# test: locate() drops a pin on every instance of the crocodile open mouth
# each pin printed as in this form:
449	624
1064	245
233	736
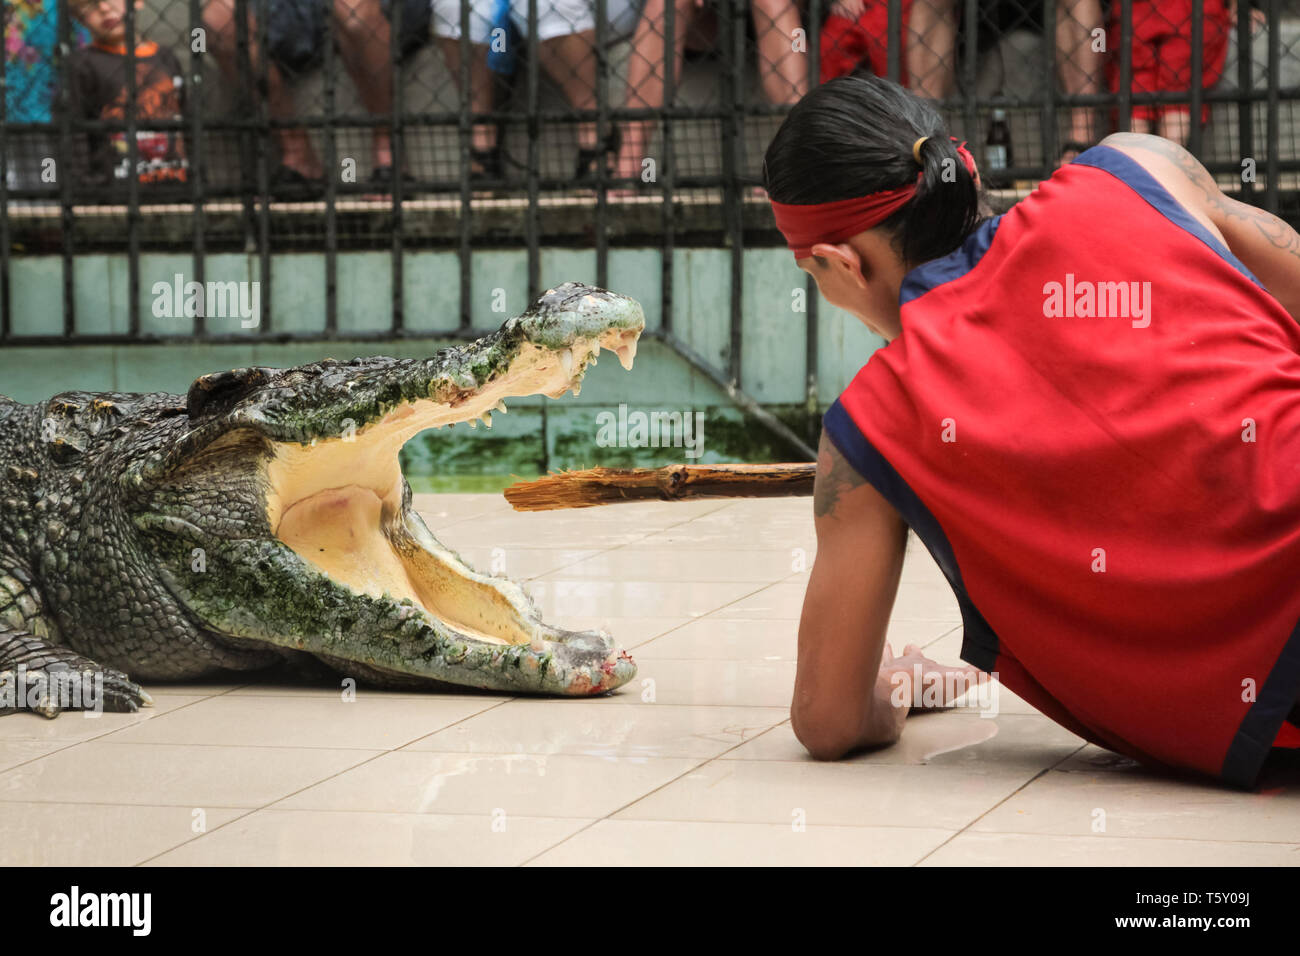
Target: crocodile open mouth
341	505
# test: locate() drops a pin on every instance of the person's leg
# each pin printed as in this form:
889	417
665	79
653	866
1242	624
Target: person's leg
1174	74
363	37
784	73
570	61
645	76
931	51
1079	65
1176	124
483	136
296	150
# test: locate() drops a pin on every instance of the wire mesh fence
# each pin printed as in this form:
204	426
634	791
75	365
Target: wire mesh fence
262	126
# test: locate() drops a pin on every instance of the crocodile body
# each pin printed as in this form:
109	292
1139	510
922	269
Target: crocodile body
263	517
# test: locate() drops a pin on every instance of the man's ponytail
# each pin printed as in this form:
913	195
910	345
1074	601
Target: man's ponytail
945	208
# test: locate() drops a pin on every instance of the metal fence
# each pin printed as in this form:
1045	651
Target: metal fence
535	123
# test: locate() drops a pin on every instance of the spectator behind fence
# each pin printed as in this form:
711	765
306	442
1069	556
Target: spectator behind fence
31	31
98	90
1162	59
295	37
855	36
782	71
566	51
1079	66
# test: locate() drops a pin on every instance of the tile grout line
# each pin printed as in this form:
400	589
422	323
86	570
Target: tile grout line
702	762
1038	776
650	793
267	806
97	738
617	547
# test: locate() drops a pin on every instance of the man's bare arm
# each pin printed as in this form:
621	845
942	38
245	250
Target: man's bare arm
851	591
1264	243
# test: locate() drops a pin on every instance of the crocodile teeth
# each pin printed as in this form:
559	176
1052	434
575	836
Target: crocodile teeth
487	420
473	423
501	405
626	354
566	360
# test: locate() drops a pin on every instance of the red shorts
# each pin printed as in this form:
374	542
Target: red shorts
1162	51
848	44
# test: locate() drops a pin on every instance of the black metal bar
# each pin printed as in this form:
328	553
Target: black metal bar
602	132
969	66
333	173
445	118
532	223
132	177
1125	65
396	133
264	176
666	170
734	196
195	154
64	172
1274	59
465	128
894	29
812	296
567	115
245	98
1048	129
230	338
1194	136
1245	108
4	193
814	43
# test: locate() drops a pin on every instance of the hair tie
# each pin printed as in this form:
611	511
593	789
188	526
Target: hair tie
916	150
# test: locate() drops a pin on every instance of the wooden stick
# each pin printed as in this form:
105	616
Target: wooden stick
603	486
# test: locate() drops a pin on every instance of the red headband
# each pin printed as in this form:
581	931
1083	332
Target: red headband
805	225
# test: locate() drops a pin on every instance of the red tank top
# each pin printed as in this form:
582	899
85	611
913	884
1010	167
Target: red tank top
1092	420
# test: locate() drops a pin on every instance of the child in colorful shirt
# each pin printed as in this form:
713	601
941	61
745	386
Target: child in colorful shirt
98	90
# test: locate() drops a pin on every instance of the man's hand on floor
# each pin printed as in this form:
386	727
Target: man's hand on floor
914	681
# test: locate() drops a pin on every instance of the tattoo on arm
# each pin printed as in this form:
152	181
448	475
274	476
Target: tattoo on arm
1276	232
835	476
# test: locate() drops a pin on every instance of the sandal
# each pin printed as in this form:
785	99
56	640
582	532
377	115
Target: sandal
589	157
381	180
289	185
490	165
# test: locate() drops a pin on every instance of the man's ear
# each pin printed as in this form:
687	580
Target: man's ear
844	259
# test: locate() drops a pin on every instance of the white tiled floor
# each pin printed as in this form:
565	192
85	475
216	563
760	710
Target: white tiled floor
693	762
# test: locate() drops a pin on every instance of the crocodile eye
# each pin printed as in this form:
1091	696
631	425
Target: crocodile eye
220	390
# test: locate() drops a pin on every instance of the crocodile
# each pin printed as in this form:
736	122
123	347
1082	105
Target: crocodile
263	518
